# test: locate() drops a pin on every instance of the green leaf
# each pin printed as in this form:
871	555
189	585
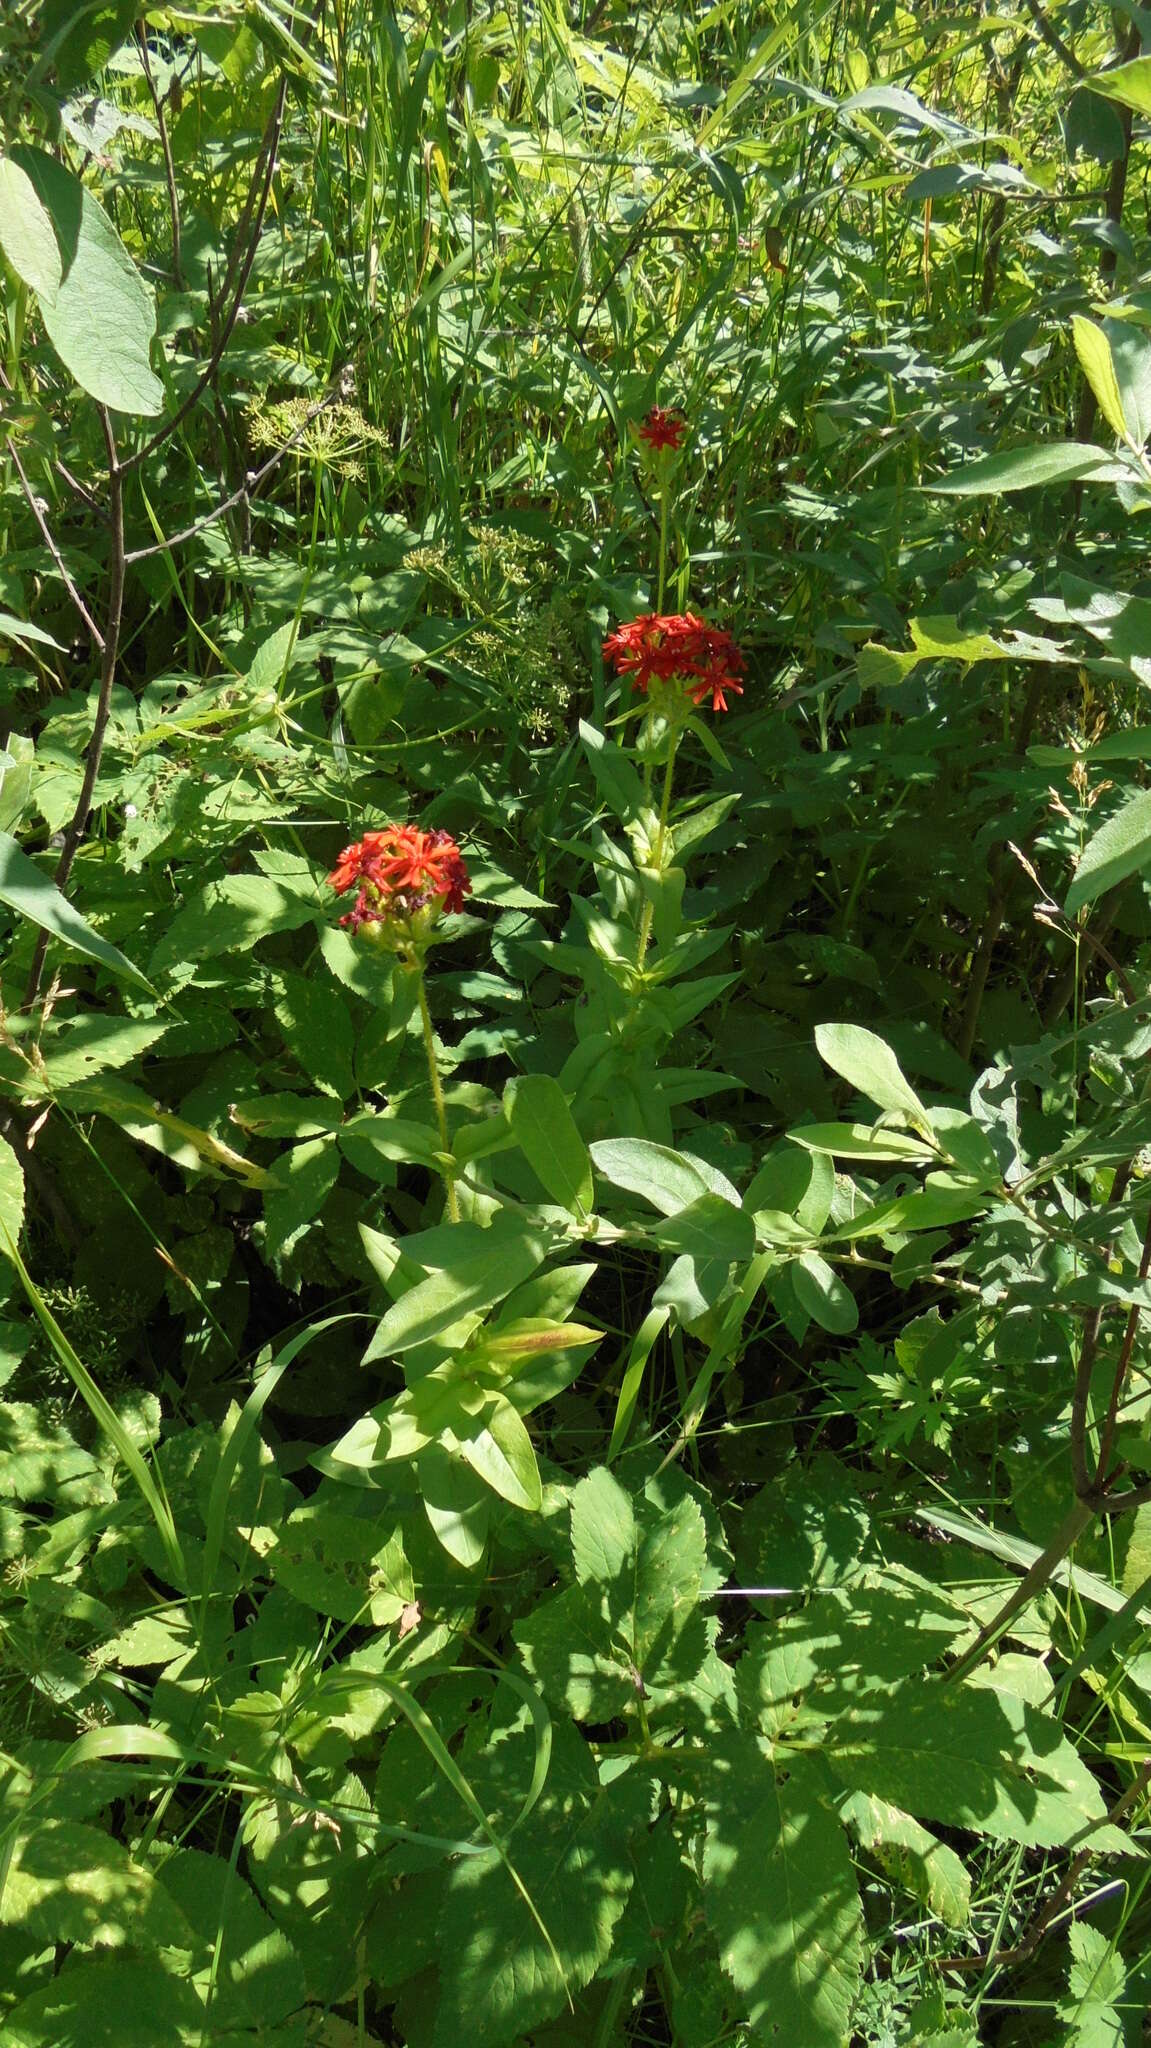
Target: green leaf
11	1197
780	1895
24	888
79	36
544	1127
21	631
632	1625
862	1059
1120	847
112	2002
911	1855
861	1141
317	1027
823	1295
1130	84
1094	352
77	1884
1097	1983
235	1945
971	1757
458	1507
237	911
499	1979
305	1177
1025	469
482	1275
27	236
615	777
709	1228
603	1528
669	1180
499	1450
374	1143
16	772
101	319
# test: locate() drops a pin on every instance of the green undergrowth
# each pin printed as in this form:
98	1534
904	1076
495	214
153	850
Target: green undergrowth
574	1224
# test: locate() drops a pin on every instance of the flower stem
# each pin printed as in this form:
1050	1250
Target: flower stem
437	1095
664	514
645	922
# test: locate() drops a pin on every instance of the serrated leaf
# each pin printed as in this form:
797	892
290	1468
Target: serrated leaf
305	1176
237	910
73	1883
1097	1982
780	1895
101	318
969	1757
603	1529
499	1978
911	1855
113	2002
25	888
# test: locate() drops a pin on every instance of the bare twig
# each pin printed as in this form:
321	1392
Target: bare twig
46	535
169	166
256	204
74	831
1054	40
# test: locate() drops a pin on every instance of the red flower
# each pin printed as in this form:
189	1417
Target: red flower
399	870
663	428
658	646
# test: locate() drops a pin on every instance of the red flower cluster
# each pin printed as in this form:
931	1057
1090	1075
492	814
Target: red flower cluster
398	871
658	646
663	428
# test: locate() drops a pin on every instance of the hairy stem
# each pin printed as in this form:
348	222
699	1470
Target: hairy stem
453	1201
645	922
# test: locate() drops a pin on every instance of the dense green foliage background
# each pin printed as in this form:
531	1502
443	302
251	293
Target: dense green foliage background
674	1564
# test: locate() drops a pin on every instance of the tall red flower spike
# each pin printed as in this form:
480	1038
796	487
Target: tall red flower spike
663	428
658	645
398	871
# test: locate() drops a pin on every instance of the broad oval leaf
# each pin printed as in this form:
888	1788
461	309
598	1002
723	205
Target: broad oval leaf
26	233
101	319
1094	352
708	1228
1130	84
823	1295
11	1197
1119	848
863	1059
668	1179
1024	469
